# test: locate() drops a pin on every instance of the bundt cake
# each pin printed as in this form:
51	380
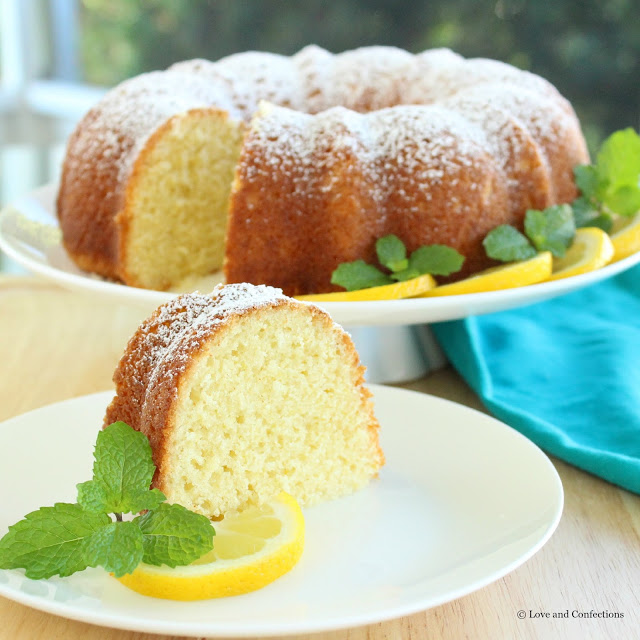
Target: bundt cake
245	393
432	147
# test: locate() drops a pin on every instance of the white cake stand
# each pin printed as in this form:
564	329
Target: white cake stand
392	337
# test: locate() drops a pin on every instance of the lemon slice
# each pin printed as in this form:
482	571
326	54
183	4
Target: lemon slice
407	289
251	549
507	276
591	249
625	236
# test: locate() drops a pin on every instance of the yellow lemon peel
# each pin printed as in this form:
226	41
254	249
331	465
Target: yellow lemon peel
625	236
507	276
251	549
406	289
591	249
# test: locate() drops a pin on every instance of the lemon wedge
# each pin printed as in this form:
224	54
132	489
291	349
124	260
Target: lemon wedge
625	236
591	249
251	549
507	276
407	289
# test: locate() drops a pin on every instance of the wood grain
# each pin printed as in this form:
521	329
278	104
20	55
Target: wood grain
55	344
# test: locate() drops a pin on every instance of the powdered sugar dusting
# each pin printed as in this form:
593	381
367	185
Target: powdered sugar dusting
181	325
248	77
238	298
118	127
423	143
365	79
368	78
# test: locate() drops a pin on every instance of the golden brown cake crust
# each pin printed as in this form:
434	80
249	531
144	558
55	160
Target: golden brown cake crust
91	187
309	195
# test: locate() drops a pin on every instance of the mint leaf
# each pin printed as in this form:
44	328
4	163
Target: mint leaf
552	229
618	169
507	244
359	275
392	253
618	161
146	499
586	215
116	547
122	472
586	177
51	541
436	259
174	535
624	200
92	497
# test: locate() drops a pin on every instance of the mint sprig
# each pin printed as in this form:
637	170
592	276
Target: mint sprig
67	538
611	186
392	254
550	230
618	172
507	244
359	275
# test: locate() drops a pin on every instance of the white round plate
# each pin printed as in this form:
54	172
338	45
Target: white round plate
462	501
30	235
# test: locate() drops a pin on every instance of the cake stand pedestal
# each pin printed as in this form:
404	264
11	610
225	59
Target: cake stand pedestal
397	353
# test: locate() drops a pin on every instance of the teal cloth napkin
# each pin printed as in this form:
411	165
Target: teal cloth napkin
565	373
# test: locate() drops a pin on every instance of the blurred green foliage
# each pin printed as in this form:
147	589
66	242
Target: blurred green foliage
590	49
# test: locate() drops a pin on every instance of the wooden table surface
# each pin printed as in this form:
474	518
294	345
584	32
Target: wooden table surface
56	344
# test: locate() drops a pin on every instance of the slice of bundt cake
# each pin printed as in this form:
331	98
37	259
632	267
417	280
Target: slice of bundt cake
151	169
245	393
